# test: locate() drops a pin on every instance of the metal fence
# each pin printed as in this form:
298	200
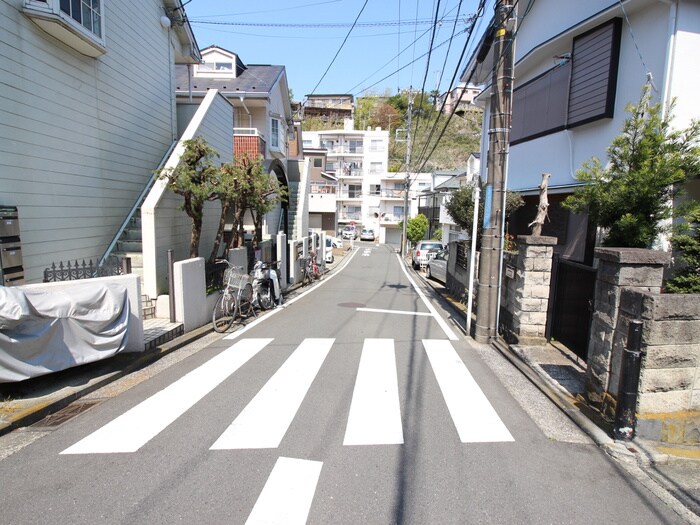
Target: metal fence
76	271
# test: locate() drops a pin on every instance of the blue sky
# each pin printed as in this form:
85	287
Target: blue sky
385	29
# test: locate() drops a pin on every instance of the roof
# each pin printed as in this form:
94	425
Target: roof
254	79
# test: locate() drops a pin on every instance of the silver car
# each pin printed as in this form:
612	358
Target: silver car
437	267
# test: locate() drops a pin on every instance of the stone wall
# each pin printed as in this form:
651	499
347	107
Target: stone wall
669	390
525	290
618	269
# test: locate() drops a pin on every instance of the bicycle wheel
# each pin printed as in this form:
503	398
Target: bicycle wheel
245	301
224	312
321	273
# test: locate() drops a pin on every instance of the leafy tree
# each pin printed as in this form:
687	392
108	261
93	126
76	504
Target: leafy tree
194	178
632	195
416	228
687	241
461	207
266	193
438	234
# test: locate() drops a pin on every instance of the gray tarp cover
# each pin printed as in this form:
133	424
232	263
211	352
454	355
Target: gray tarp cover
46	331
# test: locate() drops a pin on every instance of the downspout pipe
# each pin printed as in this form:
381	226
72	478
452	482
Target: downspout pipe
250	117
670	54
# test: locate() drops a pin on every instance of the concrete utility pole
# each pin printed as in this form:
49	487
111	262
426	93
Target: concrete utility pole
491	256
407	180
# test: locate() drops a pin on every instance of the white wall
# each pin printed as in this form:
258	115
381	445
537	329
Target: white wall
80	136
163	225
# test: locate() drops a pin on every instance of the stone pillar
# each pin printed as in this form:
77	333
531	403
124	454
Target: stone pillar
618	269
525	290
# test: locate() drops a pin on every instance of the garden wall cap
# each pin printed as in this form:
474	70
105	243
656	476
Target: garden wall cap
541	240
633	255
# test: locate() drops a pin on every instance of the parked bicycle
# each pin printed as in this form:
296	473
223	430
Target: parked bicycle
310	271
266	286
236	298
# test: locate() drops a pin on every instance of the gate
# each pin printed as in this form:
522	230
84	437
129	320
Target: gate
569	320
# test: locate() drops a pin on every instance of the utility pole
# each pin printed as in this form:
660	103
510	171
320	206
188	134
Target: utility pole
491	256
407	180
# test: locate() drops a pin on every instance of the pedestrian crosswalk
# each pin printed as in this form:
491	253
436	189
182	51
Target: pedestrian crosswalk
375	412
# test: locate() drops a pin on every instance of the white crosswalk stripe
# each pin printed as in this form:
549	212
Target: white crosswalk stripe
375	413
375	416
475	418
264	422
133	429
288	493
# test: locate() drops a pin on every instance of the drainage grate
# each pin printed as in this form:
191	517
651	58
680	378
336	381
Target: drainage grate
65	414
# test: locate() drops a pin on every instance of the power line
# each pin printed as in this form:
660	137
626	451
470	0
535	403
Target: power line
340	48
319	25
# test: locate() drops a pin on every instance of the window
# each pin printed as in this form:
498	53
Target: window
274	133
355	191
307	143
77	23
86	12
574	93
375	167
376	145
318	162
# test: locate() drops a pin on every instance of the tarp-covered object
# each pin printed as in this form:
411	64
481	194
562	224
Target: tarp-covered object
46	331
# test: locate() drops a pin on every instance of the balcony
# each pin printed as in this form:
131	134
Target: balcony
390	218
349	217
392	194
349	173
321	187
349	194
248	141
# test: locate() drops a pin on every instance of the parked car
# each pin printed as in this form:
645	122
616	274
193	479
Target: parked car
367	234
336	242
437	266
349	232
423	251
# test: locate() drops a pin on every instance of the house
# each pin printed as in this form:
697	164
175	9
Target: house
459	100
89	114
329	107
574	75
259	95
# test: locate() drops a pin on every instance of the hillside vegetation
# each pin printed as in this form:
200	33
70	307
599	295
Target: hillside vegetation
431	149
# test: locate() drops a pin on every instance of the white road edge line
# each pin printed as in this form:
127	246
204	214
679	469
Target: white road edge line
259	320
288	493
399	312
443	324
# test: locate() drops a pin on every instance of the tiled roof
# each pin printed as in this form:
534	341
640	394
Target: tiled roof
255	78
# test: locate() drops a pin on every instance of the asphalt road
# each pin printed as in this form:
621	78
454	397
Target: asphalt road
359	402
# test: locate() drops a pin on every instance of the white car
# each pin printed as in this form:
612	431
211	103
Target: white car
336	242
349	232
329	250
423	251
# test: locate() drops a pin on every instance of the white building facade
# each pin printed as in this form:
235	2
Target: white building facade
577	66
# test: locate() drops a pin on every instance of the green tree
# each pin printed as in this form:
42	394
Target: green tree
416	228
461	207
631	196
686	241
266	193
194	178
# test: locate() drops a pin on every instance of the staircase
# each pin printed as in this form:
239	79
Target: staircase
292	210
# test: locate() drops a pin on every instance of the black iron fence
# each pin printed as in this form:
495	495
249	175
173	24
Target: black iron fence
76	271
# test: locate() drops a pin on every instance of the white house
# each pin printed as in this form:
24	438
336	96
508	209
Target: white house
89	113
577	66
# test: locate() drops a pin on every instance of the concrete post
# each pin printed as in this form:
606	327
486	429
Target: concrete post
283	257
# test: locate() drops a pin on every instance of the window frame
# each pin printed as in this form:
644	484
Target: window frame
50	16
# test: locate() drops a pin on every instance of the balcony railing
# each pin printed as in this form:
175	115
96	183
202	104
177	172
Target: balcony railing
349	173
350	194
323	188
392	194
354	216
391	217
248	141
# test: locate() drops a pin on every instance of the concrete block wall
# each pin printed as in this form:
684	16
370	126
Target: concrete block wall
525	289
669	390
618	269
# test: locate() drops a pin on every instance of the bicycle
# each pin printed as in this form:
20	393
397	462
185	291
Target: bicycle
310	270
236	298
